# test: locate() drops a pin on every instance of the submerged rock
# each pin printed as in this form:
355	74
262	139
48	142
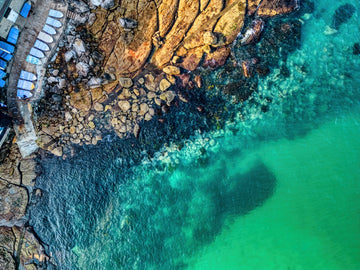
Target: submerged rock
342	15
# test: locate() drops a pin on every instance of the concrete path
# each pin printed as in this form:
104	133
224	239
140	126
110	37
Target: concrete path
20	110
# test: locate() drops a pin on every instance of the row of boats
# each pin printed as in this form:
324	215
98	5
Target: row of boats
27	80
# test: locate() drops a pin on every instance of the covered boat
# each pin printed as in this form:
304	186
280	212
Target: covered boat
55	13
25	75
53	22
41	45
45	37
37	53
23	94
13	35
33	60
48	29
23	84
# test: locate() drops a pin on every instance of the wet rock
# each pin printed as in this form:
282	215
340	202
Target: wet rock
168	96
253	33
125	82
136	130
269	8
217	58
164	84
13	202
58	151
192	60
342	15
147	117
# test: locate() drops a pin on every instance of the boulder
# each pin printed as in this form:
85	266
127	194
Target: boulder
82	69
253	33
79	46
124	105
171	70
98	107
143	108
125	82
164	84
69	55
81	100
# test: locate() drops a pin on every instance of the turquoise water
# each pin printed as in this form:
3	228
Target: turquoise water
267	190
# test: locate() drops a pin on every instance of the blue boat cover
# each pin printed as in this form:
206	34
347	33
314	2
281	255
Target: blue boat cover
33	60
13	35
53	22
45	37
7	47
25	10
41	45
2	83
48	29
37	53
23	94
6	56
56	13
3	64
25	85
26	75
2	74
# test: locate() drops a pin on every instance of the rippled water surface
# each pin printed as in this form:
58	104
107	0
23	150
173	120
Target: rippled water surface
268	190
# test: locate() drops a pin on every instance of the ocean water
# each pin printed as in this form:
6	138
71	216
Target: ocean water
266	190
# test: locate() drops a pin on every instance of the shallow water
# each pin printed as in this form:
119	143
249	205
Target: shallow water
274	190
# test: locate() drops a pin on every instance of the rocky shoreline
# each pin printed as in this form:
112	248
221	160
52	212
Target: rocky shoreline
121	65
